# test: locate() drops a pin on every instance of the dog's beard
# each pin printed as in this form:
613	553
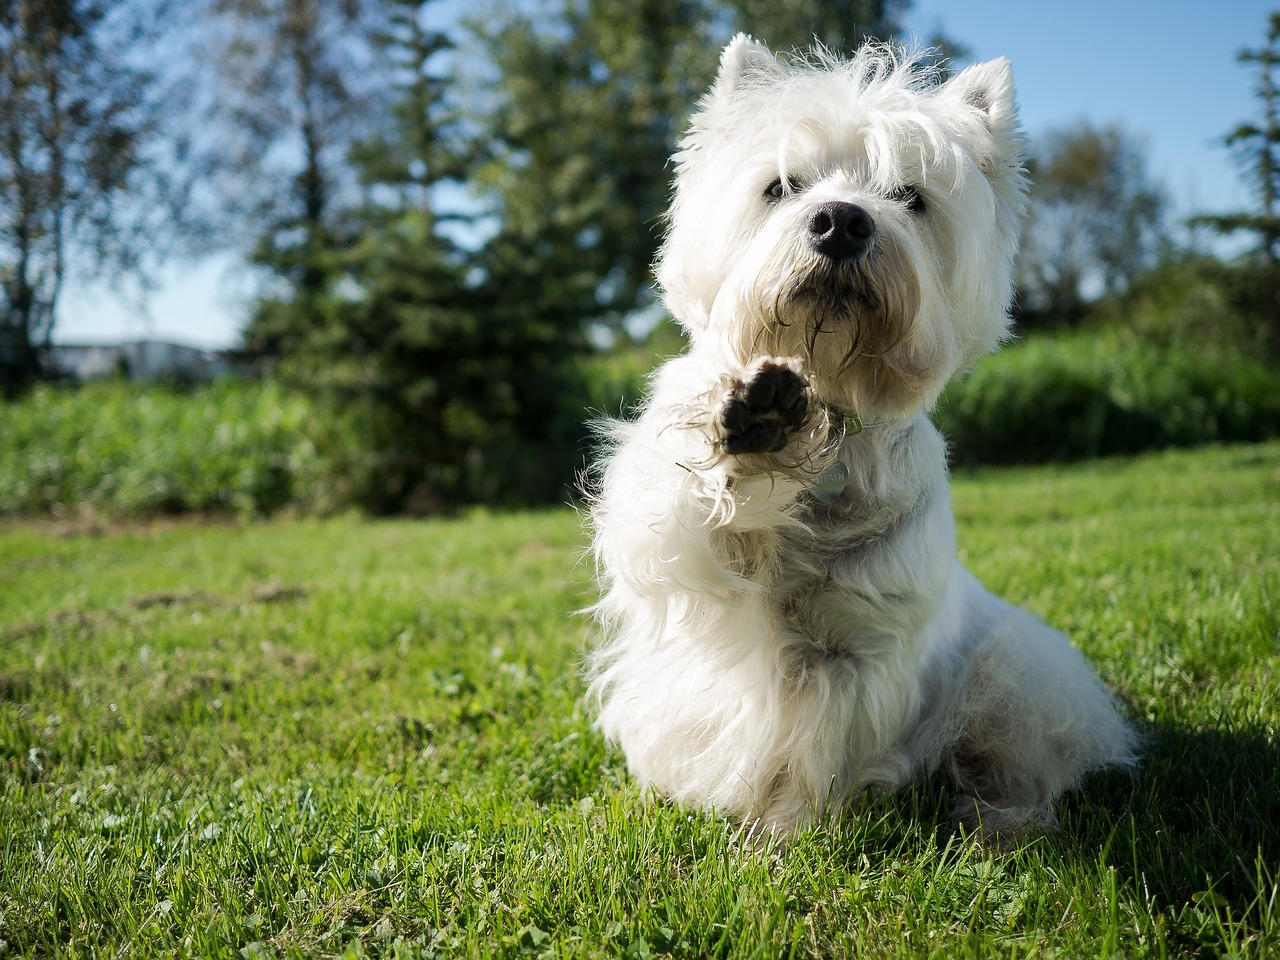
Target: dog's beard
849	320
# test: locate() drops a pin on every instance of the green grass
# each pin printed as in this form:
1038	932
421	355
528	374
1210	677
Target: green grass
318	738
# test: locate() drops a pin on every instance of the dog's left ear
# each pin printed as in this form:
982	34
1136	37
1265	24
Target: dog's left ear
988	89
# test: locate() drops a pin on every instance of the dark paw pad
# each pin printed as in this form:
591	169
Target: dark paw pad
761	412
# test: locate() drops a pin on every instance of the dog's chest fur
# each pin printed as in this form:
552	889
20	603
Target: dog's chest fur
857	580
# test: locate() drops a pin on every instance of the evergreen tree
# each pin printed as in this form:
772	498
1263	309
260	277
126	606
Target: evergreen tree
1257	145
591	97
839	25
469	392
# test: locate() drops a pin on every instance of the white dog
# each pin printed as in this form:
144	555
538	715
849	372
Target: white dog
784	618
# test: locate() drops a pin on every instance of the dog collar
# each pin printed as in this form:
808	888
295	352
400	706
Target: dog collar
830	483
849	424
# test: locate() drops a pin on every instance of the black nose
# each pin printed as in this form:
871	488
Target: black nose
841	230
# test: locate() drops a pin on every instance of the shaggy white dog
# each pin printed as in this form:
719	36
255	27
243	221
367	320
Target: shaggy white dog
784	619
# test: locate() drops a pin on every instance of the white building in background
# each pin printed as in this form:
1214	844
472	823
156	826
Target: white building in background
140	360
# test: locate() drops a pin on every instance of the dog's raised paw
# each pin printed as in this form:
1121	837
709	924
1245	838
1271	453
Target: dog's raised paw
762	410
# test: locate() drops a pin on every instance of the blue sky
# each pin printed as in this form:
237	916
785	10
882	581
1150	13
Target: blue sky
1164	70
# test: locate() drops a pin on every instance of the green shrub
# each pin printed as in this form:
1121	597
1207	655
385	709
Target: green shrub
228	446
1088	395
616	382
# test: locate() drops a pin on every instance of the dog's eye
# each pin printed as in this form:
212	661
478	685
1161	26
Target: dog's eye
909	197
776	189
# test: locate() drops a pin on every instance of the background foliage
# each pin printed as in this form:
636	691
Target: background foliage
451	228
124	450
1079	395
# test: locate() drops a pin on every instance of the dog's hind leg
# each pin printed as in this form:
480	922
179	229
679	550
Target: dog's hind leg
1031	720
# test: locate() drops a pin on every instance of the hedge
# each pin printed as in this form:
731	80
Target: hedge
1083	395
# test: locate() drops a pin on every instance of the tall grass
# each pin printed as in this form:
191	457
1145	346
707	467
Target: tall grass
256	448
122	449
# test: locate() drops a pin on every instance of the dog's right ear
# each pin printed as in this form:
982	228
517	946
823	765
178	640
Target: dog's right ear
744	60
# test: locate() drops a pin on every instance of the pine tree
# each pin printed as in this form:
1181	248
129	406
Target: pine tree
1257	146
592	96
469	392
840	25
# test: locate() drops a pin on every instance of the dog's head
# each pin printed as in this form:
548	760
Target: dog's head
858	214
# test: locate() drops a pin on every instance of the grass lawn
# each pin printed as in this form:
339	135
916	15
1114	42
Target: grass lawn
299	738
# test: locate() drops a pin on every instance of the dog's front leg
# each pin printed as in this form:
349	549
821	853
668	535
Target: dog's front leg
689	536
715	455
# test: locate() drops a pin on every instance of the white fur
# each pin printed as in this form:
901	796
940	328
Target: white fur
765	655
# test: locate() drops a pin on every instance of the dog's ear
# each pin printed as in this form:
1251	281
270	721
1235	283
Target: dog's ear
988	89
744	60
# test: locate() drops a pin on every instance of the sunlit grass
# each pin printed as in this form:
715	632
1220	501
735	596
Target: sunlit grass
304	738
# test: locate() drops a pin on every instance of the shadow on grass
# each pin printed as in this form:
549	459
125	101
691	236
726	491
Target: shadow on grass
1197	823
1195	826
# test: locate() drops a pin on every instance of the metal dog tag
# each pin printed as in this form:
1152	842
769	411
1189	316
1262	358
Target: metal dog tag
830	483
